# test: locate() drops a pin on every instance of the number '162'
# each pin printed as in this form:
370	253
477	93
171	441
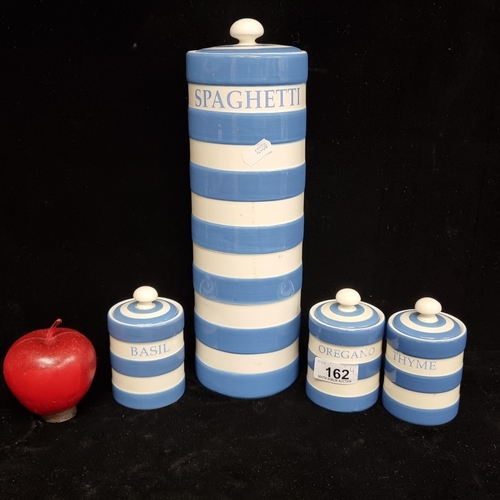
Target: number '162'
337	374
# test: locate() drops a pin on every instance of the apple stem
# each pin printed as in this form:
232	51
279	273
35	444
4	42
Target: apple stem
50	333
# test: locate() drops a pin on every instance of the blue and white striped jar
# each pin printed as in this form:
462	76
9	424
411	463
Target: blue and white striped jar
345	353
147	350
423	364
247	125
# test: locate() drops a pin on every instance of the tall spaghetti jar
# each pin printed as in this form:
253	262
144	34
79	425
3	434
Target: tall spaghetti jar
247	126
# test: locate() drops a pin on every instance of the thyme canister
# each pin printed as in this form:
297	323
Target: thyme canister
423	364
147	350
247	126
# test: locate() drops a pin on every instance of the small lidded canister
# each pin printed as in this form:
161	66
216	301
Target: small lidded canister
345	353
147	350
423	364
247	128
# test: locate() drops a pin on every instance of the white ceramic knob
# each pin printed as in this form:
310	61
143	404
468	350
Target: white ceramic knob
145	296
246	31
427	309
348	299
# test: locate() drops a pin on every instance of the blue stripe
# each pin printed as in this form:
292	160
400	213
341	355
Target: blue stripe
247	186
416	332
146	332
147	368
131	307
221	67
341	404
246	340
246	128
418	383
149	401
345	336
152	332
440	321
366	370
427	349
247	240
347	325
247	290
238	385
417	415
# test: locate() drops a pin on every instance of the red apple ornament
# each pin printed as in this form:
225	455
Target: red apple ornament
50	370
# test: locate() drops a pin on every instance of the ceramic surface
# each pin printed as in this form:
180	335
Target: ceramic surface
247	126
247	375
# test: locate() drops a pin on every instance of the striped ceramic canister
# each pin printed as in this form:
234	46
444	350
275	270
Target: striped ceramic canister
345	353
247	125
146	336
423	364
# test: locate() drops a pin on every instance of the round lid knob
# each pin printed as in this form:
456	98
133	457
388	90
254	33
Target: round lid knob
145	296
427	309
348	299
246	31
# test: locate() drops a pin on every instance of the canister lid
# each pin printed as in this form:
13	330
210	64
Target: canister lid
426	331
346	320
146	317
247	62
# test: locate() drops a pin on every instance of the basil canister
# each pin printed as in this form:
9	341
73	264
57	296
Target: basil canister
247	126
146	340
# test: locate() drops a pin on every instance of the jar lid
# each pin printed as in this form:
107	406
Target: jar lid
426	331
247	62
146	317
346	320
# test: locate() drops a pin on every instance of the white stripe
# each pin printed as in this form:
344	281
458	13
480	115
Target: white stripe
230	157
247	99
343	354
247	213
421	400
150	350
148	385
247	316
247	363
247	266
360	388
253	46
421	366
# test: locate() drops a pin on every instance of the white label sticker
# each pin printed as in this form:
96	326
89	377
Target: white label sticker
335	373
252	155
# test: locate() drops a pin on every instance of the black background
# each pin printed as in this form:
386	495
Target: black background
403	154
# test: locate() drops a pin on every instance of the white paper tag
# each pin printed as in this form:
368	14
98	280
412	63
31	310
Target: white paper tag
252	155
335	373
